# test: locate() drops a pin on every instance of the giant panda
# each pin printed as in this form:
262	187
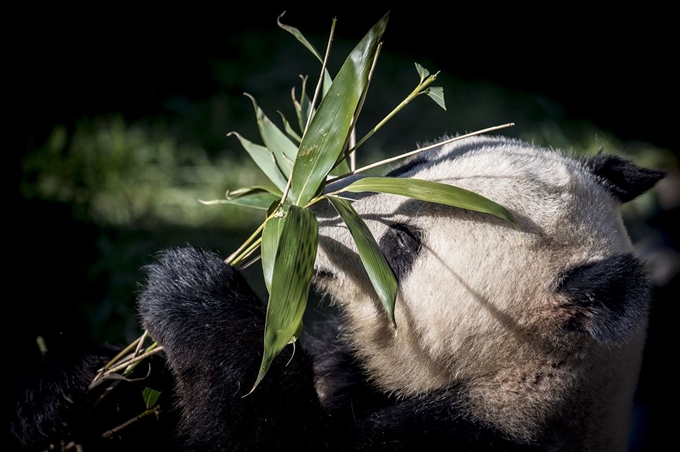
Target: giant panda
505	340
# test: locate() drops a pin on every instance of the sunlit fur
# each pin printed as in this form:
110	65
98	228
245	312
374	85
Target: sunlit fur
480	309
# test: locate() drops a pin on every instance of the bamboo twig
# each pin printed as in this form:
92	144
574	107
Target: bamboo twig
136	359
115	430
418	151
245	244
321	77
355	118
141	342
420	89
123	352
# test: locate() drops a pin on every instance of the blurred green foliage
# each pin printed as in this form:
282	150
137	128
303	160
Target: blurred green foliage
134	176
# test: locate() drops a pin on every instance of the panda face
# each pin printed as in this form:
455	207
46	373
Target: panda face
481	305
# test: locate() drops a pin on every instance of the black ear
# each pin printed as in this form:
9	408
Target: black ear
606	299
625	180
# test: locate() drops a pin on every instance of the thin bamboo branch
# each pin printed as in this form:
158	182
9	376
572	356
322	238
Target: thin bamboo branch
115	430
420	89
245	244
321	76
352	136
135	359
122	353
417	151
141	342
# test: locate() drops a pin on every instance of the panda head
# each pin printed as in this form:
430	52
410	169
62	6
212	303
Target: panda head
501	314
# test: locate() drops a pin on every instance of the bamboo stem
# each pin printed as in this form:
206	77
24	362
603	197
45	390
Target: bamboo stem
419	150
321	76
115	430
415	93
136	359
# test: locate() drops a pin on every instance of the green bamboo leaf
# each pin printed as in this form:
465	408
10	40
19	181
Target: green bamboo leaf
432	192
150	397
289	129
264	159
245	191
422	72
341	168
275	140
257	196
329	129
436	93
303	107
259	200
379	271
327	79
270	244
291	278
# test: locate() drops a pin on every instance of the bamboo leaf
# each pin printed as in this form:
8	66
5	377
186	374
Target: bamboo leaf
260	200
327	79
422	72
290	281
379	271
264	159
289	129
257	196
245	191
303	107
150	397
436	93
329	129
275	140
341	168
432	192
270	244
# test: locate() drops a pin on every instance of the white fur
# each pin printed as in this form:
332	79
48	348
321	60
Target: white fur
479	307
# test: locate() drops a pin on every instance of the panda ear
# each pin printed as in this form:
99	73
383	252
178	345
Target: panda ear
625	180
607	299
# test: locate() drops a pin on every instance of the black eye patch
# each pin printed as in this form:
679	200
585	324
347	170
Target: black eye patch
401	245
405	168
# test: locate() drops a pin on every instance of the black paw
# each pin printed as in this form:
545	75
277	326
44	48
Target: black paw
189	295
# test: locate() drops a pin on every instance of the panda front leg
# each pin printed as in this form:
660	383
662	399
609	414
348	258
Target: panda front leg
211	325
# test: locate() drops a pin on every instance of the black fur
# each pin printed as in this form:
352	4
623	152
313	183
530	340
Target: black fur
401	246
607	297
431	422
211	325
625	180
409	165
62	394
50	407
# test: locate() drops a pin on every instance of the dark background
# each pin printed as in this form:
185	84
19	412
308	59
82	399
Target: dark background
616	68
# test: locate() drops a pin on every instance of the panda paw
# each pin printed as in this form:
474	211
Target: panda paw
189	295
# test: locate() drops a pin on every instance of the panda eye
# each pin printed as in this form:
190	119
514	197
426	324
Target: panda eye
401	245
406	239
